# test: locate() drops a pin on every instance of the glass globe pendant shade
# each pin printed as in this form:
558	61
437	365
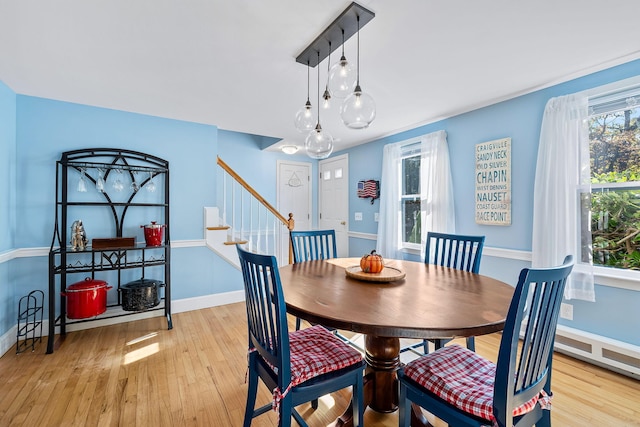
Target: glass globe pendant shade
304	120
358	110
342	79
319	143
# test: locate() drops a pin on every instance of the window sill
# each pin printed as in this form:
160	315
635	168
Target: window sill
412	250
617	278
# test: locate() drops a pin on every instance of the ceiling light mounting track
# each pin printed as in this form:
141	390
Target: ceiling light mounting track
331	38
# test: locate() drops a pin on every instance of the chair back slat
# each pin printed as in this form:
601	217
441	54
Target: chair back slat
542	331
313	245
266	311
455	251
533	314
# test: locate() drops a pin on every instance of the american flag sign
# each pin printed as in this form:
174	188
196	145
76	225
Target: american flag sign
369	188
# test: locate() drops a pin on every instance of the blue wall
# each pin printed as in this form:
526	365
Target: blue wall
46	128
34	131
7	167
42	129
8	312
519	119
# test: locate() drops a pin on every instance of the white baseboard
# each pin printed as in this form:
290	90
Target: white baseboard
8	340
207	301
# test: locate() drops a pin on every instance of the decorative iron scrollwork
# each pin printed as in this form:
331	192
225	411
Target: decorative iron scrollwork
115	258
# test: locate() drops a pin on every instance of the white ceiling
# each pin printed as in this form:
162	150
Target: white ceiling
231	63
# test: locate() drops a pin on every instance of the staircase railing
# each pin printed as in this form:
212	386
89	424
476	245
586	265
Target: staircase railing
250	219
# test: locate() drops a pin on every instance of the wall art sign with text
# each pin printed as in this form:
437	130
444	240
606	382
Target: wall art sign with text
493	182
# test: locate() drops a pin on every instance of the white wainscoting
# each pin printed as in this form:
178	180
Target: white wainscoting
608	353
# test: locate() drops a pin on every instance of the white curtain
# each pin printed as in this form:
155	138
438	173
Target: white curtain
562	175
436	198
389	220
436	187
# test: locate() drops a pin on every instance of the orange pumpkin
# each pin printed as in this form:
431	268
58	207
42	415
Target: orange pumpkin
371	263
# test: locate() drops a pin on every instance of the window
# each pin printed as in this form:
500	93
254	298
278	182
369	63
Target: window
614	202
410	195
416	194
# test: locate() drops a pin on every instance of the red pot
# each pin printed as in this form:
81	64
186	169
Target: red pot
153	233
86	299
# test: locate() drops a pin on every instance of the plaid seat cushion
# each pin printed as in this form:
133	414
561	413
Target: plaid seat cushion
463	379
316	351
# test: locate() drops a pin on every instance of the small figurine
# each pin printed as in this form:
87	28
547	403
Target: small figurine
78	236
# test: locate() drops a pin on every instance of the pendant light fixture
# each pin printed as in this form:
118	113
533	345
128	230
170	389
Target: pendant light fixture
343	81
304	117
319	143
358	110
326	96
341	76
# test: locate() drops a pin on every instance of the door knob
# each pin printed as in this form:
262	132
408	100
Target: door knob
343	222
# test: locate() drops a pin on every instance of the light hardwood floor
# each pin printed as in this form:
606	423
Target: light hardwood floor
141	374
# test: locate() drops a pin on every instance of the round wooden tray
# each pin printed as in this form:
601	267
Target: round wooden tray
388	274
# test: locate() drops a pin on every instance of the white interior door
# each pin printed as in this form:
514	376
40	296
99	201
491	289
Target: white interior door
333	203
293	195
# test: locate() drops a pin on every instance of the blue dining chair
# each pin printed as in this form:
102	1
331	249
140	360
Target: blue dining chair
463	389
298	367
455	251
311	246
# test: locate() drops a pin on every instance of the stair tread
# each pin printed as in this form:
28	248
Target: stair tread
222	227
236	242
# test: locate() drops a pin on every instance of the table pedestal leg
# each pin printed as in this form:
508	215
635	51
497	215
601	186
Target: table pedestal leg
382	355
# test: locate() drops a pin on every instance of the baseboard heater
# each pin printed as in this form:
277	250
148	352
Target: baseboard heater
617	356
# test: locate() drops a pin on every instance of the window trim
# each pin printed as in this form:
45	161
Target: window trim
627	185
598	96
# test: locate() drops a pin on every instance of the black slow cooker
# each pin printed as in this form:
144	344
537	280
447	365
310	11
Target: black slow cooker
141	294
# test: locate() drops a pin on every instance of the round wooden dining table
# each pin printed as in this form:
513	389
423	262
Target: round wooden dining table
428	302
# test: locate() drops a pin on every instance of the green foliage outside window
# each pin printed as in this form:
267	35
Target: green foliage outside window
411	226
615	208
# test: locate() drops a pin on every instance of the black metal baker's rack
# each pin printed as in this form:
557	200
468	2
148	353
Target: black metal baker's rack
64	260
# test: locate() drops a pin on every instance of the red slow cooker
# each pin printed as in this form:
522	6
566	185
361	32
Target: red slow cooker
87	298
153	233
